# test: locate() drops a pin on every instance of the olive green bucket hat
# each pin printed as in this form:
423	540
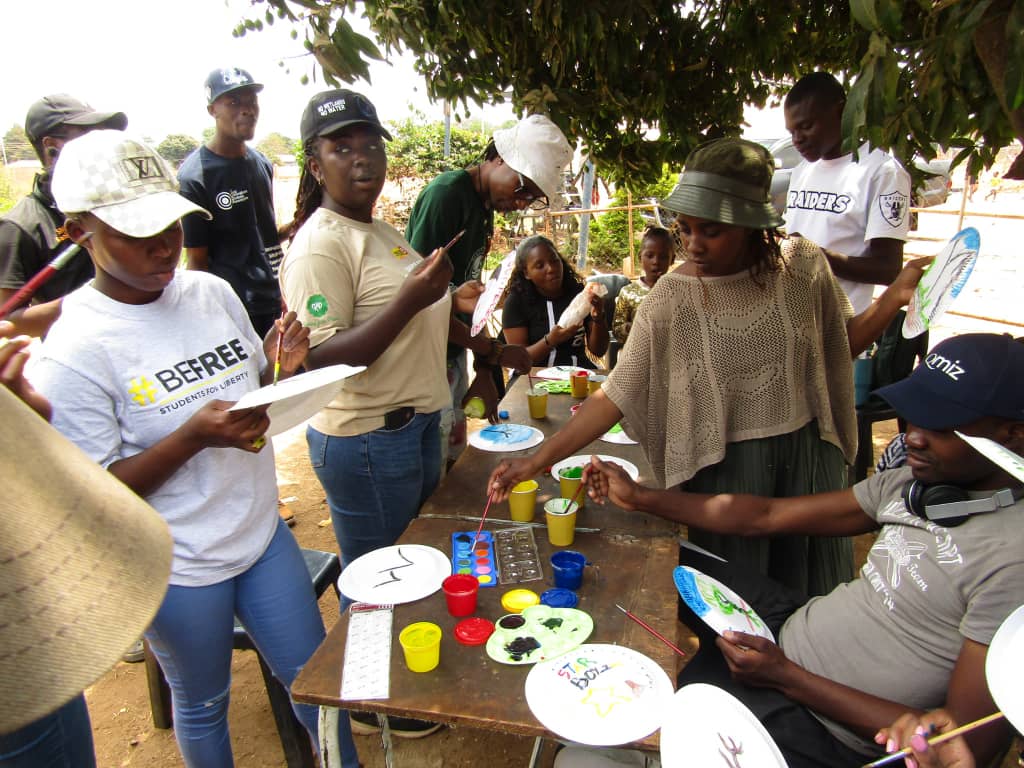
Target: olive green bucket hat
727	180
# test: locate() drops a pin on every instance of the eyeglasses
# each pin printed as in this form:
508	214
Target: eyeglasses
533	200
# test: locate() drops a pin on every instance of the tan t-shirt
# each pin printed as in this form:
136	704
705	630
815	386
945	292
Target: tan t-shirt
338	274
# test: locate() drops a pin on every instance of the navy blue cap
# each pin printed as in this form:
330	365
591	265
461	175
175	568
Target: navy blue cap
330	111
228	79
963	379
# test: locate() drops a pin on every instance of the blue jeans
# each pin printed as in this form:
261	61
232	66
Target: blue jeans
376	482
62	739
192	637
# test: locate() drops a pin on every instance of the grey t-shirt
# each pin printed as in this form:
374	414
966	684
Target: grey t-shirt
896	631
122	377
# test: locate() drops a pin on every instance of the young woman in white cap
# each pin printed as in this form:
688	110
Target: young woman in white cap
141	369
738	376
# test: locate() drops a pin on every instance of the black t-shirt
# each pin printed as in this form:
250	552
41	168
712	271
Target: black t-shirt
241	239
31	234
540	315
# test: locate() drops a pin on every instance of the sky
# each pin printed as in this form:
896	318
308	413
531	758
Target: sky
150	59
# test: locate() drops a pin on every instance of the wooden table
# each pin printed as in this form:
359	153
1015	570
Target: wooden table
635	555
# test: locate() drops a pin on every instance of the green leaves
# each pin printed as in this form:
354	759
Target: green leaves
607	71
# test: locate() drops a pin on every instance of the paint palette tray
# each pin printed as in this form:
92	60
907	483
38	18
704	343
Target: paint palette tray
475	560
517	556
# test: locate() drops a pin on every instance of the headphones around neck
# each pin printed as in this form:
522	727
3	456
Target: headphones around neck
951	505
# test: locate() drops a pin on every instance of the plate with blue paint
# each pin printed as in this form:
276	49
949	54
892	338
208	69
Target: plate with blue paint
500	438
942	282
719	607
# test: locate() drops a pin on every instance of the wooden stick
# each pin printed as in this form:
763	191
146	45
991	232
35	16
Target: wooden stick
653	631
942	737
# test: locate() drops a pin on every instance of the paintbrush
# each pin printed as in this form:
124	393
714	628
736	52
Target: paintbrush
280	344
42	276
578	495
455	239
652	630
490	497
514	523
907	751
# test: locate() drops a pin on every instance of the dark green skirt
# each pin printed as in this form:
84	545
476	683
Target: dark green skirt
794	464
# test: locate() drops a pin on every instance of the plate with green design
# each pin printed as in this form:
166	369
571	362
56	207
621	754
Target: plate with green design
719	607
618	436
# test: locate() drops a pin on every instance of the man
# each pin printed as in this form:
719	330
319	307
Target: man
911	633
32	233
855	208
522	167
234	183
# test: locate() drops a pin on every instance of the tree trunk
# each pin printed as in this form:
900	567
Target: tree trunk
990	45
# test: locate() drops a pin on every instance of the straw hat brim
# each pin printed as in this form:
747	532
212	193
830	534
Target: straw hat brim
84	565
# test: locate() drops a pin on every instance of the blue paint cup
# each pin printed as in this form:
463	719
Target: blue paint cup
567	567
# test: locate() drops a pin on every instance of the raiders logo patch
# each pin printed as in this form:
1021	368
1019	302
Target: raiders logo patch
893	207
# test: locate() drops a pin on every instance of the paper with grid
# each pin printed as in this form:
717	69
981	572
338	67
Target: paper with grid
366	671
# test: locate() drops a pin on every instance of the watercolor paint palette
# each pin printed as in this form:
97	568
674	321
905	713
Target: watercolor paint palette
517	556
475	559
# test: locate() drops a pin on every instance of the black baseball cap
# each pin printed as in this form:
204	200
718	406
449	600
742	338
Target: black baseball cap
962	380
51	112
330	111
228	79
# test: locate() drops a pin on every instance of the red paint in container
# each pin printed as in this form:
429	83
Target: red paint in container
460	593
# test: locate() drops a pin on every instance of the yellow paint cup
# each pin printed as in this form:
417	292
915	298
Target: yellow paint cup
538	402
579	383
561	519
421	643
569	480
522	501
595	381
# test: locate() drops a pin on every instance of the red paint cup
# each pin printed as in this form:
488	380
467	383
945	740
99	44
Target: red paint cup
460	593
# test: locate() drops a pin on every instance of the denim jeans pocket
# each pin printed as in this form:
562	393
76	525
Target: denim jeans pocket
317	442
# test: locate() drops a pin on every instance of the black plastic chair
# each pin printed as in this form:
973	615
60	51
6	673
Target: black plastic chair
324	569
894	359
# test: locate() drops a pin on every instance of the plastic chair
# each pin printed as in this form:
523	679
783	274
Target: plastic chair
324	569
893	361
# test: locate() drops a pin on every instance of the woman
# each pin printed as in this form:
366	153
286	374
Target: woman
142	368
655	257
738	374
542	286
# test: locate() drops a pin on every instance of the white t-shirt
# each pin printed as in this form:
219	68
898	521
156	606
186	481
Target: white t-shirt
122	377
842	205
896	631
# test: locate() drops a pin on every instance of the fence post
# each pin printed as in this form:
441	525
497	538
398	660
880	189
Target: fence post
588	191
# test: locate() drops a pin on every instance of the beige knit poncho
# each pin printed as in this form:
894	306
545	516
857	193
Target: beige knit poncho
716	360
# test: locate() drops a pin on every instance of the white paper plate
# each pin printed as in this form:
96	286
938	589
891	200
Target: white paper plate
705	725
602	695
398	574
999	454
559	372
716	604
580	461
297	398
618	436
489	299
1004	668
506	437
942	282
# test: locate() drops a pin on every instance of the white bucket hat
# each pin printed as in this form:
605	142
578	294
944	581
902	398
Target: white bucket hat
84	565
536	148
122	181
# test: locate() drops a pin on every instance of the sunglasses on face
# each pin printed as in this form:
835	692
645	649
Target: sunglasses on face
532	199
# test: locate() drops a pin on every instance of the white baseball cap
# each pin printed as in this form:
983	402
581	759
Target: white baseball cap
122	181
536	148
